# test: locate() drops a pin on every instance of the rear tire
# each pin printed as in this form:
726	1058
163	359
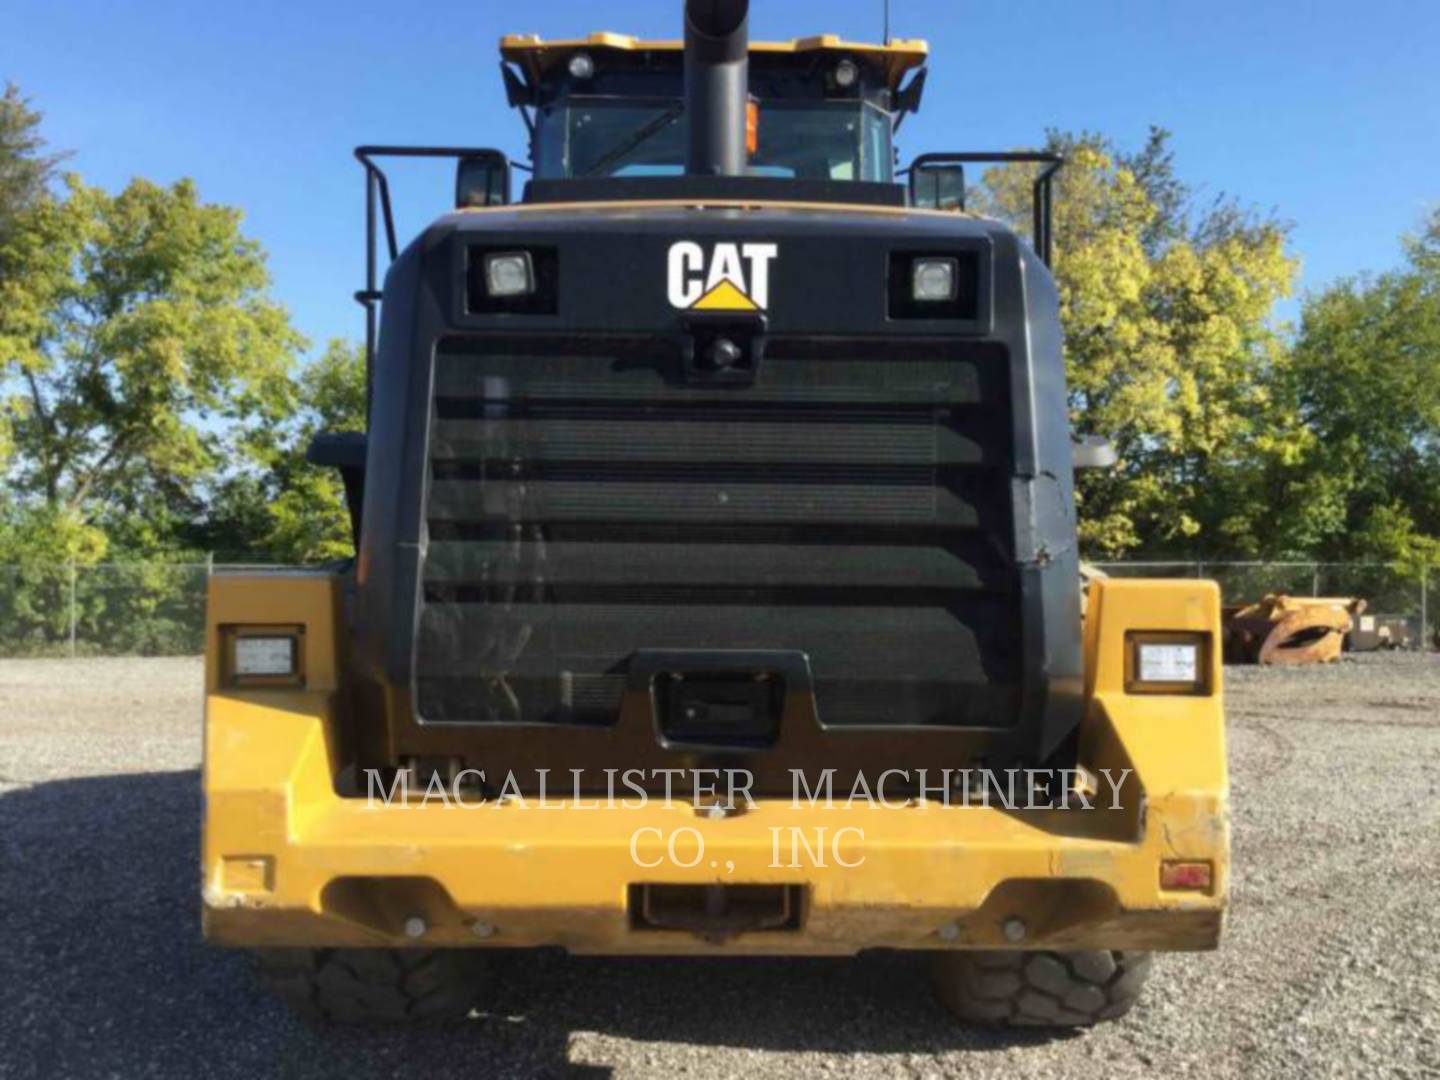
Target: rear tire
1040	989
373	986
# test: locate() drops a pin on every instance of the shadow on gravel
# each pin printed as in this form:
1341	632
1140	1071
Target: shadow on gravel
104	974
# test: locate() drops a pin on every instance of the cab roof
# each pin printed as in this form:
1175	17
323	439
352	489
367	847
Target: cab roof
536	57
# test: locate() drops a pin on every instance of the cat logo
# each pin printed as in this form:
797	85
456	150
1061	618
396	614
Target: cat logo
735	277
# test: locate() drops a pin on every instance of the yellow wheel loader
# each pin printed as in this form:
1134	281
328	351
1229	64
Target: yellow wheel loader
715	586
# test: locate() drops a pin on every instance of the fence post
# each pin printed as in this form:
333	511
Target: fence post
1425	608
1315	580
73	614
210	564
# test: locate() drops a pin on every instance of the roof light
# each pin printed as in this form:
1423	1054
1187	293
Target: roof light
847	73
582	66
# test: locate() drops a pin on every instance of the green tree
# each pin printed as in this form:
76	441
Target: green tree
308	521
287	510
140	353
24	169
24	173
1366	382
1169	346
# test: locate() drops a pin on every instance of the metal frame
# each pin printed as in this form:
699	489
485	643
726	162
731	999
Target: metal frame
377	195
1042	193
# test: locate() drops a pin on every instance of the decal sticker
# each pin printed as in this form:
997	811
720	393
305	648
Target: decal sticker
729	277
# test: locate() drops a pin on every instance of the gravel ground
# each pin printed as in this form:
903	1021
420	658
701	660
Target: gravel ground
1330	966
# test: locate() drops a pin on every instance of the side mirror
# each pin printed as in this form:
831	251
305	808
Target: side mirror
1093	452
482	180
938	187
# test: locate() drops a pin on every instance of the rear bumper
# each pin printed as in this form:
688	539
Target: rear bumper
288	862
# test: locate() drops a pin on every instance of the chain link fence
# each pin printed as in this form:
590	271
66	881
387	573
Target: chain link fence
158	609
108	609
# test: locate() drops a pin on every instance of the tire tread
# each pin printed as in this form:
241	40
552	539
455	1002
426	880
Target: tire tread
372	986
1042	988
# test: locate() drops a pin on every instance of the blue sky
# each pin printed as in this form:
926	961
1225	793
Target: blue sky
1327	112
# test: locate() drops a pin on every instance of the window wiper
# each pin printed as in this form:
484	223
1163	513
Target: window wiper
636	139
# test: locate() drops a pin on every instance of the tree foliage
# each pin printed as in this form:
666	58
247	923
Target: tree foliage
288	510
140	353
1365	382
147	382
308	520
25	169
1169	346
24	172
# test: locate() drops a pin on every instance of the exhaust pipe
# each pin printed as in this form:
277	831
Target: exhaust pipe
717	85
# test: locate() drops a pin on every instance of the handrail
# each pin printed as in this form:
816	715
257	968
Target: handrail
377	197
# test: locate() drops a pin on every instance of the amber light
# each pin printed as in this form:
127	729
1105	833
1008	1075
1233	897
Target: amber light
1190	876
752	126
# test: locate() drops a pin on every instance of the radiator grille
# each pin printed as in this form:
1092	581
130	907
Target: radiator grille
584	502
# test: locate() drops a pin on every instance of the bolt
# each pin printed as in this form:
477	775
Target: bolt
481	928
416	927
1014	929
950	931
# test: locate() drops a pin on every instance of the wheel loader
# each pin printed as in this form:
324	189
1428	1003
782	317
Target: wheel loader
715	588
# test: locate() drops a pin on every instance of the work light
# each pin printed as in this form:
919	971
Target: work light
846	74
263	656
582	66
1167	662
509	273
933	281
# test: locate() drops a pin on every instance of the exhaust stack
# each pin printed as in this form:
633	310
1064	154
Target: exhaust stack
717	85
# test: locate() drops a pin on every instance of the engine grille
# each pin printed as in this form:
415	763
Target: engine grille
584	502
